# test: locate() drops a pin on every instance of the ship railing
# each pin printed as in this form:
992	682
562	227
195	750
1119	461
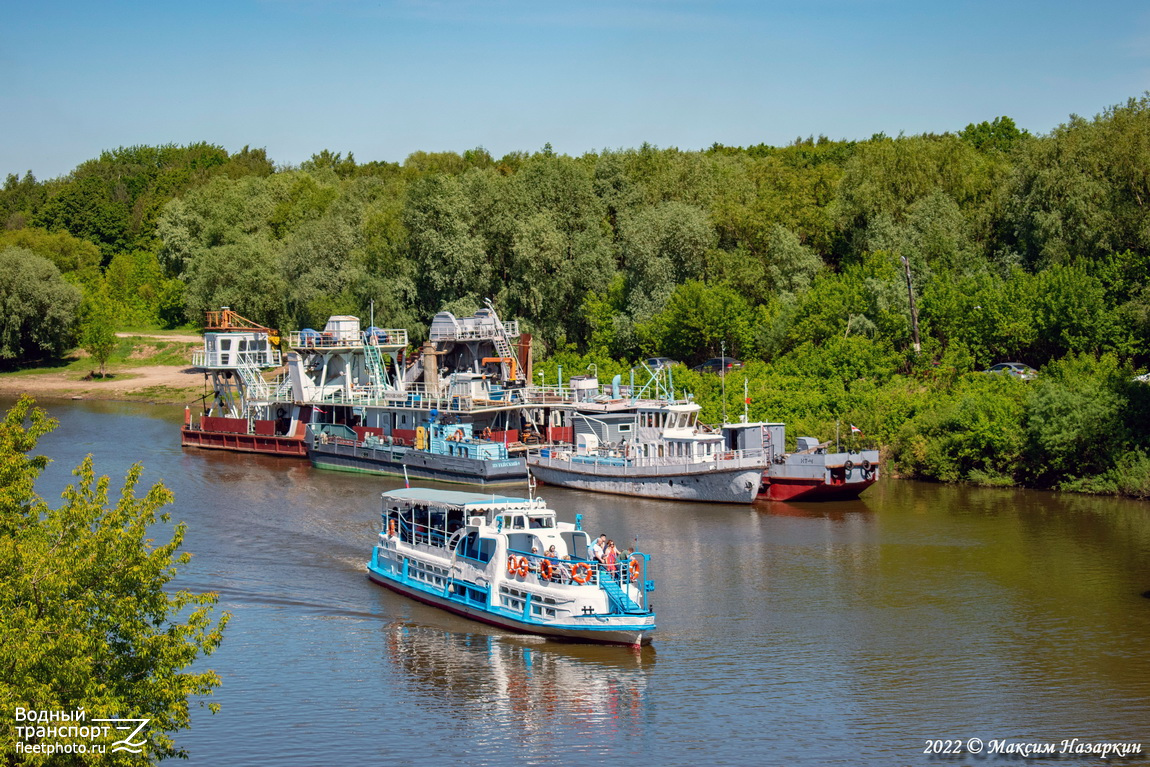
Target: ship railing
416	533
417	396
486	331
733	459
231	360
562	570
316	339
385	337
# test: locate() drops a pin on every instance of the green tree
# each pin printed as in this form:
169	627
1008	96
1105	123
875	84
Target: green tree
1083	191
98	330
87	619
38	307
68	253
700	321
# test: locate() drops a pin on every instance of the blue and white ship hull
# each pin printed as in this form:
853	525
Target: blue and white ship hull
484	568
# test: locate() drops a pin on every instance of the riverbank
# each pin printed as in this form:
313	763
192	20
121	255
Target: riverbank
146	368
161	384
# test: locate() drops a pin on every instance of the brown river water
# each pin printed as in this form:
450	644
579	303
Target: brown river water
859	633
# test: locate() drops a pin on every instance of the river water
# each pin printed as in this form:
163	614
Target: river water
831	634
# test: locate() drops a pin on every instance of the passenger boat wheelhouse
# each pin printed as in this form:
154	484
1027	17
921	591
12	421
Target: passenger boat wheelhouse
484	557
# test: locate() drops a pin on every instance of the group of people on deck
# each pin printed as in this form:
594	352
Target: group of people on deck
602	551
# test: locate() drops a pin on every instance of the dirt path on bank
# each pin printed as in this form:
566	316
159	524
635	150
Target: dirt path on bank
156	383
187	338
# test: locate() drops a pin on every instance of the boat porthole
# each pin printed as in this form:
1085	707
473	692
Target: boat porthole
670	483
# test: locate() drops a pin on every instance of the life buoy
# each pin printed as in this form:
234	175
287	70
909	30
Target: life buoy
581	572
486	433
391	528
512	566
636	569
523	566
865	465
545	569
849	465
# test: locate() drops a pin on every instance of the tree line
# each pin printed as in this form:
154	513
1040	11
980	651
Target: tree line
1021	247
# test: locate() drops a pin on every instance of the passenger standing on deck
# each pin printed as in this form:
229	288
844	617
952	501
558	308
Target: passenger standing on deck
599	549
610	558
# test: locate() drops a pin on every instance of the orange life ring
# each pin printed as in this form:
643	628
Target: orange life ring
545	569
581	572
391	527
523	567
636	569
511	565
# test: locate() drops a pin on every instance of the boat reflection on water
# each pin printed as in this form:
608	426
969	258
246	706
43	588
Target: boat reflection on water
543	687
835	511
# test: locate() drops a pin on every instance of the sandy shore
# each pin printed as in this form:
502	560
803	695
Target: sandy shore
136	380
156	383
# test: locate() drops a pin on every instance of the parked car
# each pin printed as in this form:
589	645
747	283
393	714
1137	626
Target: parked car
719	365
658	363
1016	369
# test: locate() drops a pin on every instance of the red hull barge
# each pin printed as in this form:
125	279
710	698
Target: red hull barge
232	434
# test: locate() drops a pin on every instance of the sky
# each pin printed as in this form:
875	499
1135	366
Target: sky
384	78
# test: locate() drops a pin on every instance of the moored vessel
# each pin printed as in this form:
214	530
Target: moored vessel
245	411
650	449
810	472
472	555
441	452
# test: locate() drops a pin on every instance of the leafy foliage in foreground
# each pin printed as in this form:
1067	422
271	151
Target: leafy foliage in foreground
86	617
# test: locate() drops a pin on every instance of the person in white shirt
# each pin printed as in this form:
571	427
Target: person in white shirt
599	549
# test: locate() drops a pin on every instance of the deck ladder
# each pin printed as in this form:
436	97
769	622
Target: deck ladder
375	367
620	602
255	387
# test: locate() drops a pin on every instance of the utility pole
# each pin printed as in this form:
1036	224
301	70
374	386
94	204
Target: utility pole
913	309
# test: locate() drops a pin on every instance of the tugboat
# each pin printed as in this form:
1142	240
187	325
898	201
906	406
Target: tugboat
487	558
811	472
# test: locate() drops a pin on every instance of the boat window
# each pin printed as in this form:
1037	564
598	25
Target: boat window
537	522
517	523
624	427
225	344
474	547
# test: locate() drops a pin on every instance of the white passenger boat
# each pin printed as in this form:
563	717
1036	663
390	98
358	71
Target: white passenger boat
472	555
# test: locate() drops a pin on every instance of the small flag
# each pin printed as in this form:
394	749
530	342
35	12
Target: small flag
747	401
855	429
406	481
320	411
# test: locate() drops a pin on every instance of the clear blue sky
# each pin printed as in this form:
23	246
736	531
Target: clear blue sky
384	78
